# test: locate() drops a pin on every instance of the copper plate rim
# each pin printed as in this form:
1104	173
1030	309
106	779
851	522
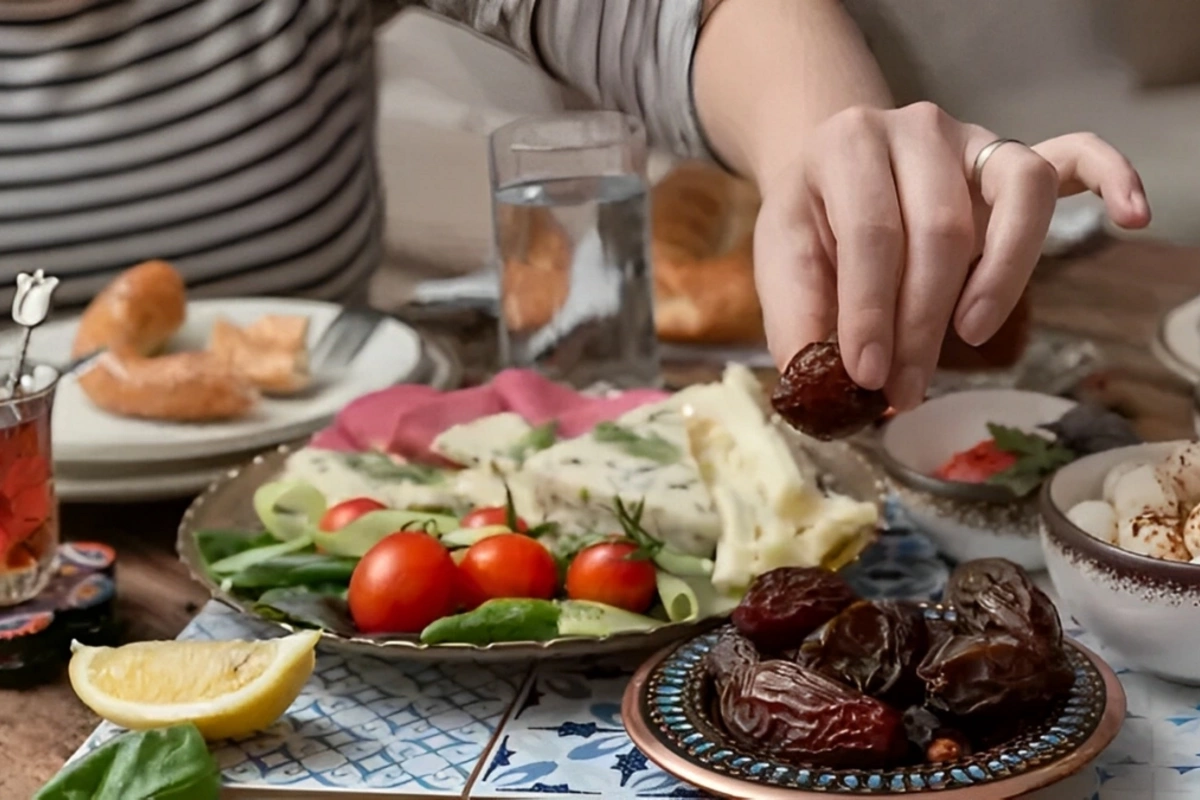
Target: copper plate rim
565	647
1040	777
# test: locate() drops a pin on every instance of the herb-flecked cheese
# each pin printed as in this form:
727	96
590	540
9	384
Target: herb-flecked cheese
576	483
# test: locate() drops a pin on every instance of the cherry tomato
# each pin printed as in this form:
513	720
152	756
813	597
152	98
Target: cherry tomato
347	511
489	516
402	584
604	573
509	565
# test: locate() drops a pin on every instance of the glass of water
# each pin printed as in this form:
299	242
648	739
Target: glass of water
570	206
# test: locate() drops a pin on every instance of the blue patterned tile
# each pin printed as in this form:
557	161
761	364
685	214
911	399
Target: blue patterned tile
565	739
364	723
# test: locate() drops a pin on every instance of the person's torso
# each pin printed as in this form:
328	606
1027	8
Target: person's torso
231	137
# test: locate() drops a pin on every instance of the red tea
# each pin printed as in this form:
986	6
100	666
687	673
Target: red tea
28	518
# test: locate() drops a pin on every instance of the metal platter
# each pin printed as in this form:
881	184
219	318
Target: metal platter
667	712
228	504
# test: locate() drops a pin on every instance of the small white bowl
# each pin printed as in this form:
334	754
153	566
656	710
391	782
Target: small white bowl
967	521
1146	609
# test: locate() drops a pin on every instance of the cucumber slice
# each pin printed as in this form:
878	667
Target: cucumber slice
355	539
585	618
465	537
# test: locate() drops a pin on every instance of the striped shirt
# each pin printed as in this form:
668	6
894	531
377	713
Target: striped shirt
235	137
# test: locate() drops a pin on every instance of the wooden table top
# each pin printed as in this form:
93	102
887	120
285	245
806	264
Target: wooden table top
1113	294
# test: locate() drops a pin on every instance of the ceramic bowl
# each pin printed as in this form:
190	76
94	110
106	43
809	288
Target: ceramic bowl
667	711
966	521
1146	609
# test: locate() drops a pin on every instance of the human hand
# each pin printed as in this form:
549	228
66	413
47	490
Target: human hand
878	233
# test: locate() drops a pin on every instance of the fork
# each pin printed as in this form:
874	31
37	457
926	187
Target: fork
344	338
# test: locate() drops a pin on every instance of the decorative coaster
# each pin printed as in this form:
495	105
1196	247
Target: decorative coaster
77	603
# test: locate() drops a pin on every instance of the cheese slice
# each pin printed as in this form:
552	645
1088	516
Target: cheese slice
771	508
577	482
343	476
490	440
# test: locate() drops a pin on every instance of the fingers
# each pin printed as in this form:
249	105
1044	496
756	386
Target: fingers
794	279
1021	187
1086	162
940	233
854	180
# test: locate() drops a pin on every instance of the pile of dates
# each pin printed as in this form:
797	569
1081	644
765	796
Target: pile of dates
812	674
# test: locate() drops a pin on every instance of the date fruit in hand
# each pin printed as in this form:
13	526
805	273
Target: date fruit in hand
994	594
731	653
794	714
817	396
785	605
876	648
995	674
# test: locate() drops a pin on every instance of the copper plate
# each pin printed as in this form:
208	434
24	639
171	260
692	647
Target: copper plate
228	504
666	713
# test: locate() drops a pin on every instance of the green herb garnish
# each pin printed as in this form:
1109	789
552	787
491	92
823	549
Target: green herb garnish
382	467
1037	459
650	446
631	523
144	765
537	439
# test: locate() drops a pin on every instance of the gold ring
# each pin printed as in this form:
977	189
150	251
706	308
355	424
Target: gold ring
985	154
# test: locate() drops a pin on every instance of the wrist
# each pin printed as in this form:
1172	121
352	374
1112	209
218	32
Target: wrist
767	73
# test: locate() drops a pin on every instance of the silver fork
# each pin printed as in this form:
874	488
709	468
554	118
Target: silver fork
344	338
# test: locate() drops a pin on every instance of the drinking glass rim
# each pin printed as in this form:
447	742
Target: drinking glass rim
27	397
633	128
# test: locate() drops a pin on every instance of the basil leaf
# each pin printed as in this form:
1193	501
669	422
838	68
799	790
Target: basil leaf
1017	441
297	569
321	607
1037	458
162	764
382	467
649	446
217	545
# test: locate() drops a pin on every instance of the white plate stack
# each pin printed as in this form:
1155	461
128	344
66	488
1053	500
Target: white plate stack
106	458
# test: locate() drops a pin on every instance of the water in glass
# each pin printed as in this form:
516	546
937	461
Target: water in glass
577	292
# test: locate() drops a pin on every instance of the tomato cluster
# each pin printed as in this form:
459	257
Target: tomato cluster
409	578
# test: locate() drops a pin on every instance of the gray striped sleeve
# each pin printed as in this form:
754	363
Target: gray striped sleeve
633	55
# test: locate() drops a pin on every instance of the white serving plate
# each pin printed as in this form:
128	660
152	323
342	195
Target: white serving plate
83	434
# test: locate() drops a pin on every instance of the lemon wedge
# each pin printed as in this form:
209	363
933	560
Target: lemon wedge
227	689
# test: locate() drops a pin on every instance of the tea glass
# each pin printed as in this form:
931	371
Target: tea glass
29	526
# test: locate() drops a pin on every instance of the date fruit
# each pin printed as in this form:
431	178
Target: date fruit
994	594
785	605
782	709
994	674
876	648
817	396
731	653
